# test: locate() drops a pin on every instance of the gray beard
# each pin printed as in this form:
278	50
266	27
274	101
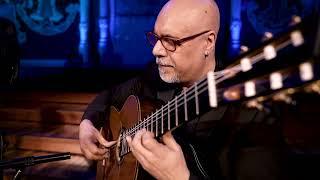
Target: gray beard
169	79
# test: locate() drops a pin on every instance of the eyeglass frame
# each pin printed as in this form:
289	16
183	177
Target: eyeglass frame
176	42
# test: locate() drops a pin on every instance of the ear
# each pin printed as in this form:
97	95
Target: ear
211	41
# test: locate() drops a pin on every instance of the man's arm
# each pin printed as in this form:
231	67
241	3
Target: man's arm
89	135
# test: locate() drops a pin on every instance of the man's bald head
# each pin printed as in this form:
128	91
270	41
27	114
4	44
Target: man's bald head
191	26
190	16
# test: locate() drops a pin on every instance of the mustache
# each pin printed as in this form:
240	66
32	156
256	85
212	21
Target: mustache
163	62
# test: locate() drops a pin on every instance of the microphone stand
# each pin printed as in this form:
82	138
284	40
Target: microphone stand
1	152
20	163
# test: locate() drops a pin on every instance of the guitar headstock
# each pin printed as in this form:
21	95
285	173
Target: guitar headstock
281	66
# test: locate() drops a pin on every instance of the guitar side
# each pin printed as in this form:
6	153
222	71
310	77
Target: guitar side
113	168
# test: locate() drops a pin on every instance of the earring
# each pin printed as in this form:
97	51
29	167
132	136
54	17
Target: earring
206	53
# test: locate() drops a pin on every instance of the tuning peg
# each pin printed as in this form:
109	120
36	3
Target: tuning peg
255	104
296	38
232	94
314	87
244	49
295	20
249	89
267	36
276	81
284	97
245	64
269	52
306	71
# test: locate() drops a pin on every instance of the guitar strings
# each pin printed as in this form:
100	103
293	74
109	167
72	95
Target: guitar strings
221	76
179	98
144	123
284	77
200	91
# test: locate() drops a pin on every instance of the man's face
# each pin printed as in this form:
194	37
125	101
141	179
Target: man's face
187	63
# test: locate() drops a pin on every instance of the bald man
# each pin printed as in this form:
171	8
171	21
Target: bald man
184	38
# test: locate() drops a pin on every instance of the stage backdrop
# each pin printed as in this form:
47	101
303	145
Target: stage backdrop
110	33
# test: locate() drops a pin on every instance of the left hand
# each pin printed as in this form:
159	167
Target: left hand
163	161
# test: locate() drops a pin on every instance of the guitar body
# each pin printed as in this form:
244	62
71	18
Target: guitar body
125	168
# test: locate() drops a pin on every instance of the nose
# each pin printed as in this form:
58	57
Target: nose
159	50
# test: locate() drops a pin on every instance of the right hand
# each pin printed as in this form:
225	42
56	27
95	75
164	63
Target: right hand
89	137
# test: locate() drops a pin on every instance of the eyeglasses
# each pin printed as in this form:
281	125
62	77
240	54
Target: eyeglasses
169	43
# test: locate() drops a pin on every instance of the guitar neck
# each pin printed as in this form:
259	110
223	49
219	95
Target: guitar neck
196	100
183	108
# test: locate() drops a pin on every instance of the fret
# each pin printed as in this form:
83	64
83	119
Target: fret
151	123
196	93
144	124
168	115
147	123
176	110
162	120
185	105
156	124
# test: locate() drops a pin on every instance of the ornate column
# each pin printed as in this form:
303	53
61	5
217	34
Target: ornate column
103	30
84	29
235	25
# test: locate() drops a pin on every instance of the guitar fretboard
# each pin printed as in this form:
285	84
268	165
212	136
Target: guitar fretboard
182	108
